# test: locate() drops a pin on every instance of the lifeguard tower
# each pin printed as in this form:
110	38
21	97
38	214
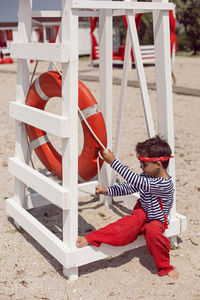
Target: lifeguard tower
65	51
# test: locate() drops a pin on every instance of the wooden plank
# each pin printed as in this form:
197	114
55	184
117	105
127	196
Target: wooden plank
69	33
121	5
86	13
105	85
55	193
39	232
87	188
121	12
122	98
22	85
83	256
41	51
183	221
49	122
164	84
36	200
46	13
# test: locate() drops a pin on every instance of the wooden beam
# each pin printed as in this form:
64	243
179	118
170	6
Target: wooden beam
40	51
43	120
121	5
40	183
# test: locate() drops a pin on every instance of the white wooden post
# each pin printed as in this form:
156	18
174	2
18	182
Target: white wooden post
22	81
126	66
44	33
69	28
105	69
164	82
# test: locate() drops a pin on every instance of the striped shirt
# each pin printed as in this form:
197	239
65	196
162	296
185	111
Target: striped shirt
150	189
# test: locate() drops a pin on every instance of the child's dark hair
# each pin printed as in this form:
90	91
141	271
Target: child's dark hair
154	147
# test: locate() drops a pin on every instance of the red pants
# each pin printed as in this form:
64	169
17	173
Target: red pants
126	230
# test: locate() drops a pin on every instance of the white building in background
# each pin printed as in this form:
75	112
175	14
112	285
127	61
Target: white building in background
44	30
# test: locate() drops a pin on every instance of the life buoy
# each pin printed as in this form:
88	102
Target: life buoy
46	86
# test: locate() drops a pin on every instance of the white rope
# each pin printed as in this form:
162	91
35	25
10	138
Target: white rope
100	143
89	127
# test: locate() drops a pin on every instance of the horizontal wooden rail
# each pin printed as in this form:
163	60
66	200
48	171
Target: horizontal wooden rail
49	189
41	51
152	6
49	122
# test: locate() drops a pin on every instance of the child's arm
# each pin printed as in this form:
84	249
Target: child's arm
138	181
122	189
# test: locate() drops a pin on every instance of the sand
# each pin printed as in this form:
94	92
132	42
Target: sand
27	271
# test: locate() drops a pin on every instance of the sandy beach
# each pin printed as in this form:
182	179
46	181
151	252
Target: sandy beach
27	271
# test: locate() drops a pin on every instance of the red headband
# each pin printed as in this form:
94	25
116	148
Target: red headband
162	158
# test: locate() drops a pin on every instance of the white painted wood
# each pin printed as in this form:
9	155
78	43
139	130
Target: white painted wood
55	193
44	33
34	200
40	51
140	73
46	13
105	84
164	83
126	67
121	5
69	34
86	188
22	85
183	221
49	122
39	232
85	13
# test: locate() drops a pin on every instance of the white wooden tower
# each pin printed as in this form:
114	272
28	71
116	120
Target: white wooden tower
65	51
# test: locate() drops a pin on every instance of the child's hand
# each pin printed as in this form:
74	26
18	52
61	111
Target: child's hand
108	156
101	190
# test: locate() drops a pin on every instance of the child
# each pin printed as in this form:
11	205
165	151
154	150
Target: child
150	214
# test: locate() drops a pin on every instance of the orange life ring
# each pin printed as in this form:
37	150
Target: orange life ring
46	86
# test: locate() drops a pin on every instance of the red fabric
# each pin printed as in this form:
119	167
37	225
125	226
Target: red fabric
172	23
39	33
161	158
119	55
9	35
93	22
127	229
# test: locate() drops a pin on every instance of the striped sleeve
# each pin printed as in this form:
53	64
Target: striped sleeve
138	182
122	189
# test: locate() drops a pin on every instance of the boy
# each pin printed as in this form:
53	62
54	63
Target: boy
150	214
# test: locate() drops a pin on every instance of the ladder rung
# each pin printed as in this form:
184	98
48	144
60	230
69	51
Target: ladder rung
49	189
41	51
44	120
